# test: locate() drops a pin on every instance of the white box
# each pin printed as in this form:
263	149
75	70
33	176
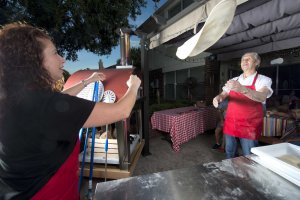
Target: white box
271	157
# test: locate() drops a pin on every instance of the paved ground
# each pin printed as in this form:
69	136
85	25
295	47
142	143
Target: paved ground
163	157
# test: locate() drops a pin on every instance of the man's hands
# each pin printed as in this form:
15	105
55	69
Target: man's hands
219	98
259	95
236	86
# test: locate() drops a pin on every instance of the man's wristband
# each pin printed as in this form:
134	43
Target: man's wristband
84	83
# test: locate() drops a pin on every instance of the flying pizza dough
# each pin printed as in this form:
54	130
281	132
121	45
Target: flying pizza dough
214	28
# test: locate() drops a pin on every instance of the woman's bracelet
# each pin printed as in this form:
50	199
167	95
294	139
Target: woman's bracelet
84	83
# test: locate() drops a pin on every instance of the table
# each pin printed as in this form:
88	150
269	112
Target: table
237	178
184	123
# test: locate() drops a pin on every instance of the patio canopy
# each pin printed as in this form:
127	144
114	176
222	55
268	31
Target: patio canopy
259	25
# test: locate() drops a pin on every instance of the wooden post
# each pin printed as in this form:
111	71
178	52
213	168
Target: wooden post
145	72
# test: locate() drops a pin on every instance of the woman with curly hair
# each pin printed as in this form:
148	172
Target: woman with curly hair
39	144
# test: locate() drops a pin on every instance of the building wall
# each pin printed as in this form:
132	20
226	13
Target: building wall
165	57
175	73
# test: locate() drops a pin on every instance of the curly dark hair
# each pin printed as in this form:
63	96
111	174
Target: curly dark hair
21	58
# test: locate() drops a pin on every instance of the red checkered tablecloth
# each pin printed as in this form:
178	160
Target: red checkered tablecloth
184	123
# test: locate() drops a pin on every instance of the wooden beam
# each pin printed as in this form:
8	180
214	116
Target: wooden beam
113	171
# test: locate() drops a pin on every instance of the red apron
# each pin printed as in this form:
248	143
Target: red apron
244	117
64	183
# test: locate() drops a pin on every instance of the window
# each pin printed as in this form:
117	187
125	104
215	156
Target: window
186	3
175	84
169	86
181	88
181	5
174	10
198	73
170	92
287	78
198	92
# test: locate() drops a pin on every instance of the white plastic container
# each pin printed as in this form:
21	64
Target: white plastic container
283	159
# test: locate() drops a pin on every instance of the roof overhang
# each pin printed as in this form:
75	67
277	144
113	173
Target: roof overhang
185	21
259	25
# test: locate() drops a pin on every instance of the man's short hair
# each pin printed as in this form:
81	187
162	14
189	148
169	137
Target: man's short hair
255	56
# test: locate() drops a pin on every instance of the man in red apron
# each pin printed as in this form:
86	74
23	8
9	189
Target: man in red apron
244	117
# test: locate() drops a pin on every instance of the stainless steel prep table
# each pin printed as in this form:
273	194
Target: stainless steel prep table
238	178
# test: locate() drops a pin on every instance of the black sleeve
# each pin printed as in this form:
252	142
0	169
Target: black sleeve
62	116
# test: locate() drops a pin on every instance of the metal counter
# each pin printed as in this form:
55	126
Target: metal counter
238	178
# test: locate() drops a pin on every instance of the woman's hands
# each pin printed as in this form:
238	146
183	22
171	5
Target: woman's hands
106	113
96	76
134	82
75	89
